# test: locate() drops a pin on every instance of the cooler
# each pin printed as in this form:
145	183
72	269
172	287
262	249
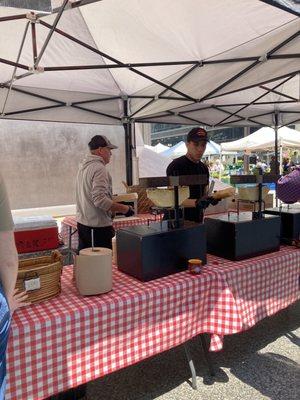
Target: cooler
35	233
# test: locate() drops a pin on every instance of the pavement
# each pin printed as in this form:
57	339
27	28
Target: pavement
261	363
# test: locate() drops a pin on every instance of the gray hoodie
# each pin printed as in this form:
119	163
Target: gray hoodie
93	193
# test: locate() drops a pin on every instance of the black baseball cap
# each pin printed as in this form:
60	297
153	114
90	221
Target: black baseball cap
197	135
100	141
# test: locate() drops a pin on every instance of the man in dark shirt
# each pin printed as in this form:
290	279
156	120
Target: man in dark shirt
190	164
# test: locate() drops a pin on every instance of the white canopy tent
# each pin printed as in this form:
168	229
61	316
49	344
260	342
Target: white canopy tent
151	163
148	162
116	62
179	149
158	148
127	50
263	139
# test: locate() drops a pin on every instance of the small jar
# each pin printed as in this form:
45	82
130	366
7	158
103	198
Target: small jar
195	266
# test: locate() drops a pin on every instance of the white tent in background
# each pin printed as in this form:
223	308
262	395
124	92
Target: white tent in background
147	161
159	148
212	148
179	149
264	139
151	163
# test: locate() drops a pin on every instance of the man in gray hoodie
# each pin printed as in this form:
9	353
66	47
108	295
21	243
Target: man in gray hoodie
94	203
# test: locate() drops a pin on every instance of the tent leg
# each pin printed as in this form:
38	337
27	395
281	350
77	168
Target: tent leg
191	365
277	167
15	69
246	156
128	143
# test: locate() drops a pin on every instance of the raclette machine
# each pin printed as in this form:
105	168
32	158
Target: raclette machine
163	248
241	235
290	222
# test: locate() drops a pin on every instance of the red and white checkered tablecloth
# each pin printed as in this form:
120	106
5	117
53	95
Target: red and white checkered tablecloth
259	287
69	340
70	221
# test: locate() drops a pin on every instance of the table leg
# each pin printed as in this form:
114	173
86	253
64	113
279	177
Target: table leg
69	249
205	348
191	365
69	245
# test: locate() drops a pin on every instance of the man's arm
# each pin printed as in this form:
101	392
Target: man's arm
8	262
8	253
100	195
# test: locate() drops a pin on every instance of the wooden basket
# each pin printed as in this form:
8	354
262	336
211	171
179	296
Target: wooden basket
40	276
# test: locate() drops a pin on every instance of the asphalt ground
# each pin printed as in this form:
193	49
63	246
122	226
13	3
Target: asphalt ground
261	363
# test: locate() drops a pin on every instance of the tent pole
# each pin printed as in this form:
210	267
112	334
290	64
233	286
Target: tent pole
276	144
128	143
280	157
246	156
57	18
276	152
15	68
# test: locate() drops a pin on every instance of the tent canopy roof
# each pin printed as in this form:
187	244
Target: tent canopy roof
193	62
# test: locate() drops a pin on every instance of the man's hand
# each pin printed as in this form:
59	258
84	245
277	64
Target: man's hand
130	212
17	300
213	201
204	202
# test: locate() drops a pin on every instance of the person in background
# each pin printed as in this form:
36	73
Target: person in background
273	166
286	166
191	164
10	299
288	187
217	166
94	203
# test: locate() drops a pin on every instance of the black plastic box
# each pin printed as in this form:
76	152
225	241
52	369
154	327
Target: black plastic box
290	222
239	237
150	252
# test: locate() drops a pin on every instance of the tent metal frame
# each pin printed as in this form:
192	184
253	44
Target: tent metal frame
128	118
281	6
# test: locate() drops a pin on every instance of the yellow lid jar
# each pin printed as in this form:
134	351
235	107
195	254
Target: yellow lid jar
195	266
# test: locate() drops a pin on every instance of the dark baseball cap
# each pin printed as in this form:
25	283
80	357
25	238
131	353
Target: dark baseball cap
100	141
197	135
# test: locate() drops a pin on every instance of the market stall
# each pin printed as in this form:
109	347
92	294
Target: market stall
136	68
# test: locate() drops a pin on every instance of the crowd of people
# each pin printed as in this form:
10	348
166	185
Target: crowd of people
219	167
